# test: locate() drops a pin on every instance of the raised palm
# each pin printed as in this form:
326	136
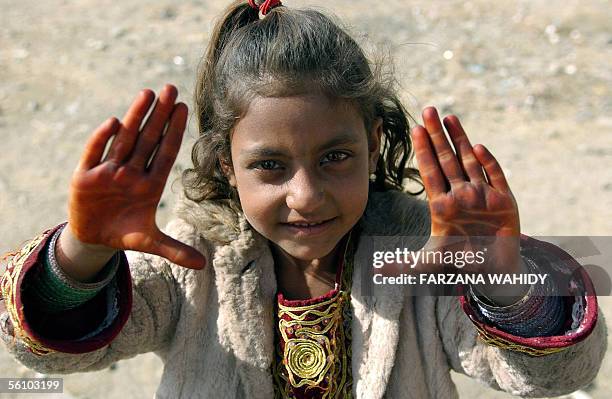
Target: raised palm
113	201
468	194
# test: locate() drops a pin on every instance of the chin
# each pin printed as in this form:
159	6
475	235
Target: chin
306	252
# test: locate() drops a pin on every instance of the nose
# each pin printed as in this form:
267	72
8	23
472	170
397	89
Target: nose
306	193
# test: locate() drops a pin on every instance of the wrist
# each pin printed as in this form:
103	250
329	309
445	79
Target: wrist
505	295
70	244
79	260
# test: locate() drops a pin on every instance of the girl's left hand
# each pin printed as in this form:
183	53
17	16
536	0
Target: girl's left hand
467	190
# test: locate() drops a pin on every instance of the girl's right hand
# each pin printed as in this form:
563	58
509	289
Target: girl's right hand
112	201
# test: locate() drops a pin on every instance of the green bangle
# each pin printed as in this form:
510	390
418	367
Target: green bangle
57	291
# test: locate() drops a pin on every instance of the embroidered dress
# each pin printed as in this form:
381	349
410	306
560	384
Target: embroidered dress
313	350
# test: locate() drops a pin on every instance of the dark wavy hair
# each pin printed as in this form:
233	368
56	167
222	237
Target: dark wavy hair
285	53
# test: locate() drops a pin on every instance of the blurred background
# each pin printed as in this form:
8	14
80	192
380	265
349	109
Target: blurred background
529	79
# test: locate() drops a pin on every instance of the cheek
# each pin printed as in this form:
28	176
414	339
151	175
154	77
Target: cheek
351	191
257	202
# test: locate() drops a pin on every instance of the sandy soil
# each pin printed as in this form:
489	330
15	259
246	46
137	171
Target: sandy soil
530	79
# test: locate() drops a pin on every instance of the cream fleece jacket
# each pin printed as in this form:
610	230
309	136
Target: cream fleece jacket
214	328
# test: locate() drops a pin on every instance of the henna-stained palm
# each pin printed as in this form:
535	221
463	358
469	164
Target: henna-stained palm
113	201
466	187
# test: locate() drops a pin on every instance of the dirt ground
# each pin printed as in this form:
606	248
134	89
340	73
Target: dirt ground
530	79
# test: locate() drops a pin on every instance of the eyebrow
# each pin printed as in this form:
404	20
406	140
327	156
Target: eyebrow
343	138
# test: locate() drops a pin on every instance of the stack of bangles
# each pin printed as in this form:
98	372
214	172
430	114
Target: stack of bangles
539	313
57	291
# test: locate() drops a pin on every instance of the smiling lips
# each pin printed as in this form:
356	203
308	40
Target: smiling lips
309	228
304	224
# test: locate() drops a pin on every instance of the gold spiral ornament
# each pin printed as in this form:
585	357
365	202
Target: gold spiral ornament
306	358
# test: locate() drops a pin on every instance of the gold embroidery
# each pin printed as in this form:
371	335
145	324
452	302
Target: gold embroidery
502	343
8	283
310	355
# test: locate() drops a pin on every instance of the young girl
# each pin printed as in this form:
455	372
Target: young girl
256	288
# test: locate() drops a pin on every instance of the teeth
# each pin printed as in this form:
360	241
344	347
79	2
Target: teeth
306	225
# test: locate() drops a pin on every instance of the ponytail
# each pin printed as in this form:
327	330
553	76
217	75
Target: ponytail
239	14
205	179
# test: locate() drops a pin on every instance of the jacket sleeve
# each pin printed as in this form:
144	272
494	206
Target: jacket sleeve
135	313
529	366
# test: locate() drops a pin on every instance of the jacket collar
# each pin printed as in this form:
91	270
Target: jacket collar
246	284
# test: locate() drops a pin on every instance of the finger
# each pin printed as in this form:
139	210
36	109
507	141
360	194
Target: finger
154	127
125	139
494	172
94	148
430	171
178	253
467	159
164	158
446	157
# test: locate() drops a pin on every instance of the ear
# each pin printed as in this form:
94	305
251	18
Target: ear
375	136
228	171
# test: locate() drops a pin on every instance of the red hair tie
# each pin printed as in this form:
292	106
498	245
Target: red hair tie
266	6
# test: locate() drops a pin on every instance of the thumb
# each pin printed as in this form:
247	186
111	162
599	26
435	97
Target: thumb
177	252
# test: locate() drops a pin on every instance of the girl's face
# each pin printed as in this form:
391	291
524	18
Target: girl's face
303	159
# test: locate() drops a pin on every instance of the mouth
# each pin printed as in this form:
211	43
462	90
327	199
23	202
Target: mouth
308	229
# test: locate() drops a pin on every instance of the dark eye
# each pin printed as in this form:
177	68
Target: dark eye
337	156
266	165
